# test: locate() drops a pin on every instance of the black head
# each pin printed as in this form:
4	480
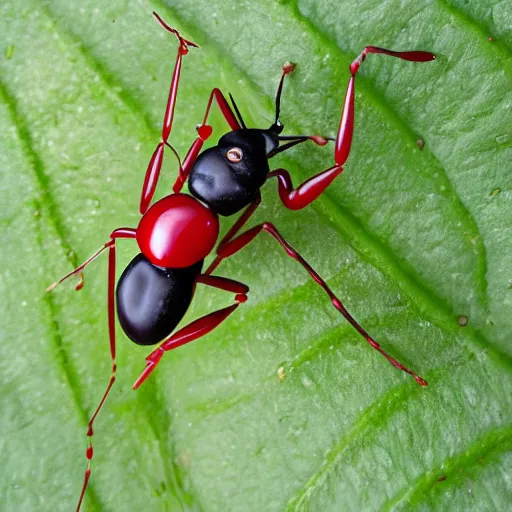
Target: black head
227	177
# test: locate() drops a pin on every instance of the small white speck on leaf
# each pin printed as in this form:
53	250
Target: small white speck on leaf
307	382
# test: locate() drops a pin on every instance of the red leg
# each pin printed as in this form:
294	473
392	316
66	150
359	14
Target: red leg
89	453
237	226
200	327
346	129
118	233
204	131
307	192
155	163
241	241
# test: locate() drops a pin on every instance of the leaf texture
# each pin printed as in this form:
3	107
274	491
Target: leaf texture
411	239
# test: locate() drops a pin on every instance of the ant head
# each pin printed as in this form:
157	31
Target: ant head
227	176
255	144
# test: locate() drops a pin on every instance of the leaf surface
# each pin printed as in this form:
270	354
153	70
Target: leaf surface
411	239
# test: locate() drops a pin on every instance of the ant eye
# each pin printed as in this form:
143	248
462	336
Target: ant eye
235	155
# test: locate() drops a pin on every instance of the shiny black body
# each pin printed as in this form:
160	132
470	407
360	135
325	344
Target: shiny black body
227	187
152	300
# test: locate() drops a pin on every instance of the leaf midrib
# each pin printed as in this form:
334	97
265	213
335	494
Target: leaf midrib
488	445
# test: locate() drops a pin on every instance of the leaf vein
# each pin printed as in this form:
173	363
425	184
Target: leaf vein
45	197
483	448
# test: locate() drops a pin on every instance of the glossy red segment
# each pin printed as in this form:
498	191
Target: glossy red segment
204	131
307	192
414	56
191	332
151	178
346	128
111	300
223	283
177	232
171	102
123	233
228	114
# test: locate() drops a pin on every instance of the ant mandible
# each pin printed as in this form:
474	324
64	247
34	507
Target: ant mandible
177	232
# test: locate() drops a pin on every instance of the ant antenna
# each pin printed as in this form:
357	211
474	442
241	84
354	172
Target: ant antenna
297	139
237	111
287	69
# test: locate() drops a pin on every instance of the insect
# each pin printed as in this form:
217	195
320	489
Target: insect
176	233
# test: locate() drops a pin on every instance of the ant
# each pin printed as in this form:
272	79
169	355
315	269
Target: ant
177	232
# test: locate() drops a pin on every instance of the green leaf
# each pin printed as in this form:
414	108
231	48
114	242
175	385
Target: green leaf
411	239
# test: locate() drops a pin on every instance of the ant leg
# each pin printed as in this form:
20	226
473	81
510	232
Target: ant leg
237	226
200	327
204	131
118	233
307	192
346	128
155	163
89	453
242	240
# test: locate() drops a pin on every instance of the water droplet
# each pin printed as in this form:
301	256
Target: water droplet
502	139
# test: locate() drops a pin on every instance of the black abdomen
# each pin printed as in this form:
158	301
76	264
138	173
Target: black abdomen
152	300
